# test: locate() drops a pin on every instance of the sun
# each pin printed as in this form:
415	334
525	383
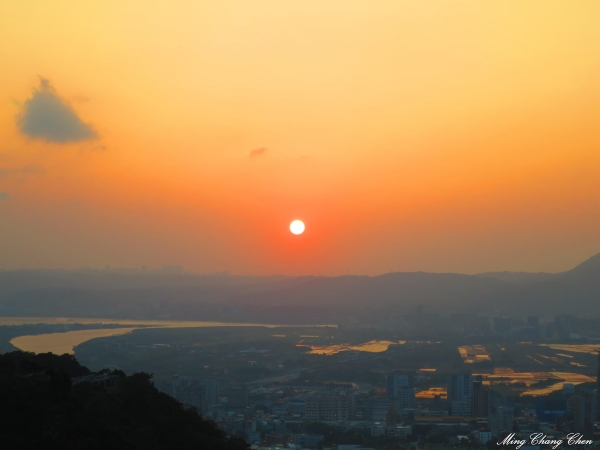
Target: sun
297	227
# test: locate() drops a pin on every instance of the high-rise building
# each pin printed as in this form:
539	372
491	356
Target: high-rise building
563	325
568	389
211	391
328	405
186	390
376	408
584	413
438	404
460	407
190	395
480	399
400	389
502	419
533	327
460	386
548	408
405	398
201	394
459	394
467	396
311	408
396	381
237	397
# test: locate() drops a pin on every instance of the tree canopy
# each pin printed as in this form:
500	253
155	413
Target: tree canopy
40	408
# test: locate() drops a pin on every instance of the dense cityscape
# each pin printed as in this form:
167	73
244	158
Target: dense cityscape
471	409
366	374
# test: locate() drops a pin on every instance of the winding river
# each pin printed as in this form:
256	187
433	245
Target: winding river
64	342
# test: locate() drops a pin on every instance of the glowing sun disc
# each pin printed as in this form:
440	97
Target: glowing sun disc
297	227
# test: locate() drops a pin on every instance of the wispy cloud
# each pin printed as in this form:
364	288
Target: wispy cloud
257	152
47	116
21	172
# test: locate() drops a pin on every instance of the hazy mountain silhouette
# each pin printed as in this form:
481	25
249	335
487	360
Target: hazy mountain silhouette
299	299
589	269
517	277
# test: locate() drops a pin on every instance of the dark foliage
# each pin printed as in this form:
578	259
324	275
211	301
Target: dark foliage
23	363
41	409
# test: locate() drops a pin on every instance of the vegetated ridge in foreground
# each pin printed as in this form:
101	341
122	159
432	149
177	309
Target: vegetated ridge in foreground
40	408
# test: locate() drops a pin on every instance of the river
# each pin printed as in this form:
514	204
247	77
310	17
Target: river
64	342
60	343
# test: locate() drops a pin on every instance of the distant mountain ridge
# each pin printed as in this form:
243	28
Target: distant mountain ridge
588	268
308	299
517	277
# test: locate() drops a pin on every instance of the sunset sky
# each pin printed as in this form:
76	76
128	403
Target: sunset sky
446	136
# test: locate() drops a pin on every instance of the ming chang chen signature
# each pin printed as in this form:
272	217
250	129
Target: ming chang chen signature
542	439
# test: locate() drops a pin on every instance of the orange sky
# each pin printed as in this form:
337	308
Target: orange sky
436	136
